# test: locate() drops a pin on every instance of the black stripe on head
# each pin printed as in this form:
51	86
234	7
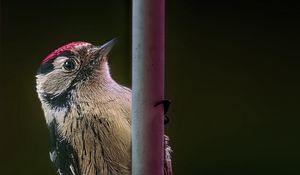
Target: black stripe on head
45	67
68	54
48	66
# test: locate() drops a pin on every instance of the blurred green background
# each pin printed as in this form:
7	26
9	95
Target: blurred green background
232	73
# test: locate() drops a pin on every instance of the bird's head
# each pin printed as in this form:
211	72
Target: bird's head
70	68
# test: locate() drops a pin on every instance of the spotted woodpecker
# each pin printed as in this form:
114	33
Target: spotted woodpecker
88	114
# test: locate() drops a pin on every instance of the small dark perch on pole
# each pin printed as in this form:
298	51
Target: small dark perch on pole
148	86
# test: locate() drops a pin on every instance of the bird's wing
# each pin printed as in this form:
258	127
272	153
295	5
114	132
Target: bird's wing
167	157
62	153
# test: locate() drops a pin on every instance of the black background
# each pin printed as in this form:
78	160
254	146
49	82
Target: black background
232	73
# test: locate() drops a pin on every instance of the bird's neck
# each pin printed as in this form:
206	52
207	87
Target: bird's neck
98	117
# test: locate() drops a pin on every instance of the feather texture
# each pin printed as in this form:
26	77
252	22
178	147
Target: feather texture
62	153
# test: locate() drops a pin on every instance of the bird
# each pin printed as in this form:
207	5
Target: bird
87	113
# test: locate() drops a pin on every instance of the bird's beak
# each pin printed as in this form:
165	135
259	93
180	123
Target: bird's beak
105	48
101	52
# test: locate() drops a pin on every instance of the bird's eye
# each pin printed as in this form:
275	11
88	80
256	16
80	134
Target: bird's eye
69	64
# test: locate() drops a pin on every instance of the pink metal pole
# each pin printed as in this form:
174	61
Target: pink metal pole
148	22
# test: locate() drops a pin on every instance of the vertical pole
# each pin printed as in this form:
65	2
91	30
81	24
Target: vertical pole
148	86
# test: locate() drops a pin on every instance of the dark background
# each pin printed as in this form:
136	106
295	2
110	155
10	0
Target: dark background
232	72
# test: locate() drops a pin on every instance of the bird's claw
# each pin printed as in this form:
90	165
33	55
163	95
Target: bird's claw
166	104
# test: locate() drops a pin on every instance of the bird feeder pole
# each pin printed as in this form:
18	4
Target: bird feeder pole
148	22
